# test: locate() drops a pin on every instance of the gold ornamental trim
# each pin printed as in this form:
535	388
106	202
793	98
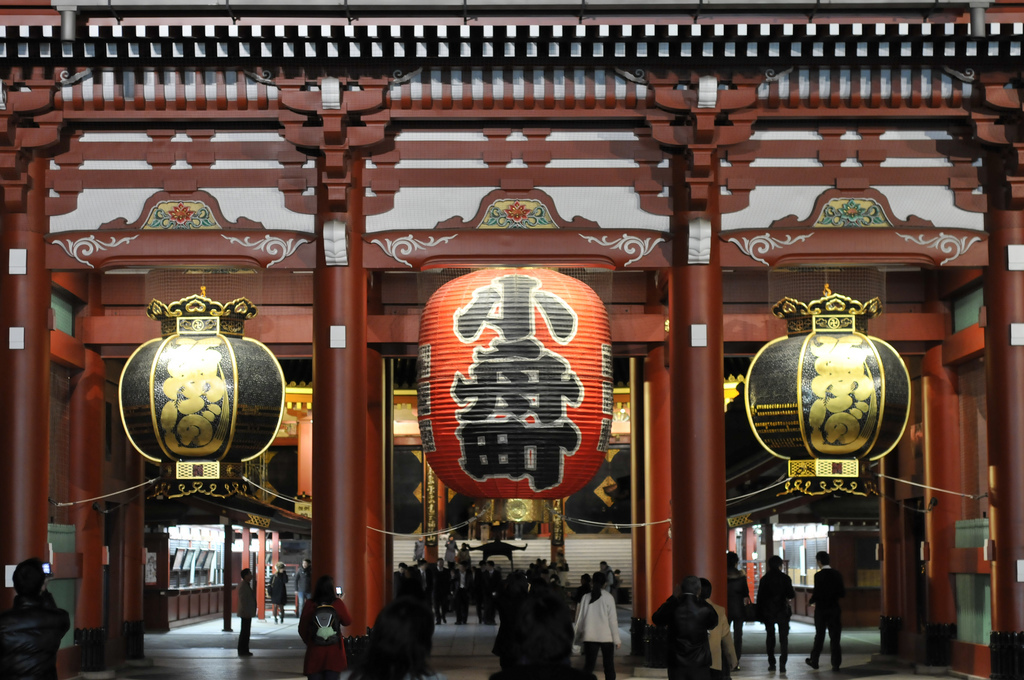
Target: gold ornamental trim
219	488
197	470
196	312
822	467
517	510
817	486
739	521
258	521
431	504
557	522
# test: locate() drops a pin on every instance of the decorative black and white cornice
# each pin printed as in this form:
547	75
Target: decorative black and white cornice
221	43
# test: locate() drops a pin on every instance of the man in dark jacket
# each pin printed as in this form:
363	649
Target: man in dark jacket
688	620
828	590
303	584
773	595
31	631
462	587
442	588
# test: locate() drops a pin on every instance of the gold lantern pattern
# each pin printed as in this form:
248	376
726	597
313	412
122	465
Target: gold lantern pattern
202	399
828	396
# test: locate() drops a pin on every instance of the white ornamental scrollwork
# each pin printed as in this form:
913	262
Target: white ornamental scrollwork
271	245
407	244
759	245
84	247
944	243
631	245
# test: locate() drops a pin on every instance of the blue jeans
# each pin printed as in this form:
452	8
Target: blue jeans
302	603
324	675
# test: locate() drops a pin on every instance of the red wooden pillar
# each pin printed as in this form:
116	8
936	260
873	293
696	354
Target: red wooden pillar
339	426
890	527
87	414
637	449
378	576
940	409
134	510
229	575
25	365
698	419
658	478
304	428
260	575
1004	365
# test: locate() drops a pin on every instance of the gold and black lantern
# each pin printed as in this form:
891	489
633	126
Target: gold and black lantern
201	400
828	396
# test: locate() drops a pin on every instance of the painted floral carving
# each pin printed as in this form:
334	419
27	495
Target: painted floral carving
852	212
180	215
516	214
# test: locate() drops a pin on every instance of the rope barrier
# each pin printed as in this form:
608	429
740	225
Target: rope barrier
734	499
613	524
99	498
932	488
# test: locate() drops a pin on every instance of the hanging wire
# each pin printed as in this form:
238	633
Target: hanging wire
973	497
381	531
293	499
613	524
734	499
469	521
99	498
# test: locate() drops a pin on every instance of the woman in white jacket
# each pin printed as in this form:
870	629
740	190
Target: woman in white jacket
597	627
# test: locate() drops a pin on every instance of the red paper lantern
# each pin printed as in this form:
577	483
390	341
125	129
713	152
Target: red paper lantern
515	383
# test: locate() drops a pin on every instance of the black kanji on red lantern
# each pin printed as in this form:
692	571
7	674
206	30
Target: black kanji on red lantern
513	421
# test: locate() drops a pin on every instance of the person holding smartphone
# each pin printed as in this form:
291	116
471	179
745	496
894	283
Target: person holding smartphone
31	631
320	629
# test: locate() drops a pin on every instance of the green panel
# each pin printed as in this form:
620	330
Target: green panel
62	538
63	314
970	533
967	309
973	608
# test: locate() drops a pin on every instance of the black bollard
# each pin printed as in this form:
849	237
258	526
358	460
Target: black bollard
134	633
889	634
636	636
91	642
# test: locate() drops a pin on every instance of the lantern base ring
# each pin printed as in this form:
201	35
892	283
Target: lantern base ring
516	510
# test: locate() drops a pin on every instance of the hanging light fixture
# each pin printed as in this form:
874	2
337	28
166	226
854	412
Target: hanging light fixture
828	396
515	389
202	399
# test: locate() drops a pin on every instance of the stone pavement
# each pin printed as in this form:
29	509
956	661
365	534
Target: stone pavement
204	651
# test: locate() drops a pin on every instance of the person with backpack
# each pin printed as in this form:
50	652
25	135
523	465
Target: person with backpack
320	629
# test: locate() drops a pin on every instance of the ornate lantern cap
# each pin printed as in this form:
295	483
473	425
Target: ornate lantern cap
200	314
832	313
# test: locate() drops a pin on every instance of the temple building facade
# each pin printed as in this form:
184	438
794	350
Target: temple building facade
692	164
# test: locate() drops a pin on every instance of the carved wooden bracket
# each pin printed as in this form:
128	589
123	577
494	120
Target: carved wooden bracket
928	247
998	122
342	116
28	124
434	248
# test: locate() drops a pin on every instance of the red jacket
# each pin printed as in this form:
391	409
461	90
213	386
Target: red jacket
320	657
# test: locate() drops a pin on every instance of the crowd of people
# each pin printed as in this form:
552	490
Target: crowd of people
539	628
